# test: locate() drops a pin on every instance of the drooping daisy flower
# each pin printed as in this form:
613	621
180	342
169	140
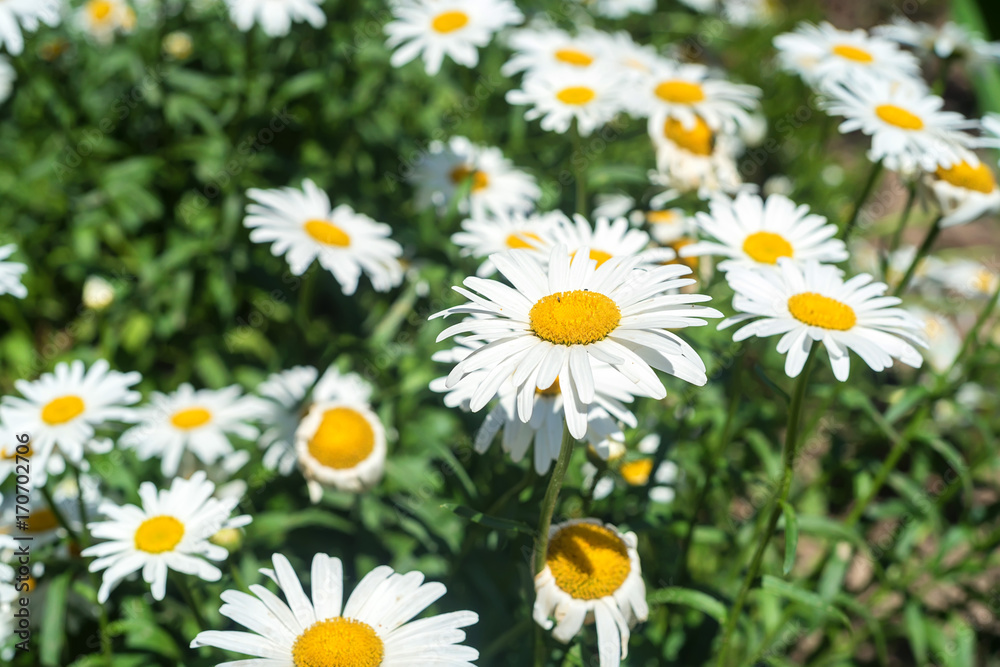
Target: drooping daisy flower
907	126
696	159
606	239
753	232
634	472
275	16
101	19
7	78
592	574
966	277
10	272
592	96
618	9
813	303
823	53
372	629
26	14
454	28
496	187
197	421
302	226
63	408
170	531
966	191
945	41
557	322
541	49
482	237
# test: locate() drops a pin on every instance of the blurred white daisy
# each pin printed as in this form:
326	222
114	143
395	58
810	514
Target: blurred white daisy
822	52
966	277
101	19
634	472
606	239
481	237
592	96
541	49
43	526
667	226
438	28
753	232
275	17
169	531
373	628
559	321
301	225
10	272
943	338
635	59
197	421
7	78
908	128
16	15
495	186
965	191
813	303
8	597
617	9
696	158
592	575
945	41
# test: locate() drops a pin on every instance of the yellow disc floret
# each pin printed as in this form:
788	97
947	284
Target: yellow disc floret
576	95
698	139
637	472
574	57
158	534
853	53
899	117
579	317
588	561
964	175
343	439
680	92
767	247
191	418
446	22
327	233
821	311
62	409
338	642
480	181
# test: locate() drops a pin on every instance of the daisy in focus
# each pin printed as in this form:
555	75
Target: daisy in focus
301	225
541	49
481	237
592	574
813	303
101	19
965	191
434	29
170	531
275	17
561	320
16	15
591	96
197	421
495	187
10	272
753	232
373	628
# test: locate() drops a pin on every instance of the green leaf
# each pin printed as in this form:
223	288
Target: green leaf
874	626
689	597
53	633
489	521
276	524
790	591
758	370
791	536
915	631
955	460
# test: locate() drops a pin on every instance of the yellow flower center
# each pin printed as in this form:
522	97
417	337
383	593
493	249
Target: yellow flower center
62	409
9	453
479	179
821	311
680	92
42	521
446	22
99	10
698	140
343	440
899	117
574	57
576	95
327	233
984	280
588	561
191	418
637	472
964	175
551	390
853	53
338	642
579	317
158	534
767	247
598	256
690	262
520	240
662	217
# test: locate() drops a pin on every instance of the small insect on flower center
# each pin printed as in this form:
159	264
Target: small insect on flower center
588	561
338	642
964	175
698	139
680	92
63	409
446	22
576	95
636	473
574	57
521	240
99	9
899	117
158	534
578	317
480	181
42	521
327	233
343	439
821	311
849	52
767	247
191	418
551	390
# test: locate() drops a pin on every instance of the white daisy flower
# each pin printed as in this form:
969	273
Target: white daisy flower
42	525
592	574
438	28
170	531
285	393
63	408
820	53
373	628
744	13
541	49
606	239
635	472
813	303
696	158
618	9
613	205
303	227
496	187
275	16
592	96
668	226
10	272
908	128
482	237
197	421
26	14
101	19
687	92
965	277
943	337
636	59
7	78
945	41
557	322
966	191
753	232
8	597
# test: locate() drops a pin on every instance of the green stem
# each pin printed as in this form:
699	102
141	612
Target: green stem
59	516
788	471
188	595
541	655
550	499
102	610
925	248
898	234
860	203
579	172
